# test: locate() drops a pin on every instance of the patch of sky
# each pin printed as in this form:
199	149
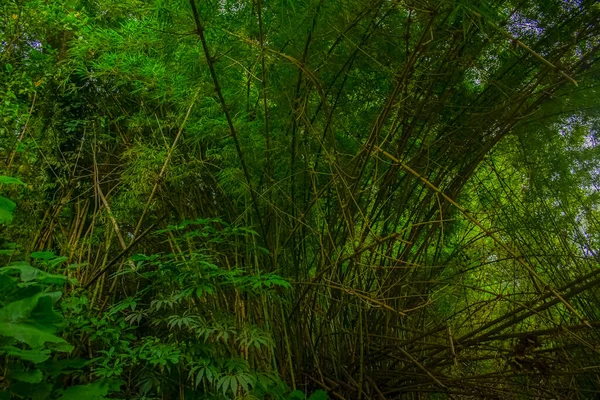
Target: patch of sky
569	125
231	6
572	5
519	25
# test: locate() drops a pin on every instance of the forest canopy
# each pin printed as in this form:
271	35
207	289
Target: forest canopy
299	199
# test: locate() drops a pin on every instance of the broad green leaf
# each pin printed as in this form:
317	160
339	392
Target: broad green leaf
93	391
33	391
7	208
35	356
29	273
28	334
7	285
64	366
41	391
19	311
32	376
31	320
8	180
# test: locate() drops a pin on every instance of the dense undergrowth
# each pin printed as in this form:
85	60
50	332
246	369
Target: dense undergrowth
179	333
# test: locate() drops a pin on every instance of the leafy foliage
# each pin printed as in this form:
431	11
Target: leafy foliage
267	199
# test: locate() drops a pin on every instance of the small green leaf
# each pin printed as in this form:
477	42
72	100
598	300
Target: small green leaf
319	395
209	375
62	347
200	376
297	395
53	263
223	383
43	255
232	384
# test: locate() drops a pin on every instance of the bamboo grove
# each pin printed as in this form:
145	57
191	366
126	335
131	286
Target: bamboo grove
292	199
